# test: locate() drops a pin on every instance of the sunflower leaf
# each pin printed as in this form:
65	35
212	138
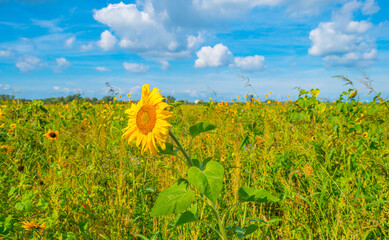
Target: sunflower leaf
247	194
200	128
208	182
174	199
187	217
169	150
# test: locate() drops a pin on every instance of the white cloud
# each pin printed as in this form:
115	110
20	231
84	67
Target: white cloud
5	87
69	42
28	63
250	63
145	31
107	41
231	8
62	63
135	67
65	90
5	53
299	8
165	65
193	41
102	69
51	25
343	41
137	29
370	7
216	56
86	47
219	55
351	59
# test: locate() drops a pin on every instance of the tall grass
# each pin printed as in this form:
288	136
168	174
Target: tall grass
327	162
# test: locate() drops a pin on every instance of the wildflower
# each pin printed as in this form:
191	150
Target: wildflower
28	225
271	93
267	95
13	125
32	225
238	97
148	121
353	94
5	149
120	96
365	134
313	138
115	99
210	98
52	135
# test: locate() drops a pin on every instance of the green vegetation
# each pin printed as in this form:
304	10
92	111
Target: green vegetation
327	163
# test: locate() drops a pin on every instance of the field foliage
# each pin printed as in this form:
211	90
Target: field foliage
327	162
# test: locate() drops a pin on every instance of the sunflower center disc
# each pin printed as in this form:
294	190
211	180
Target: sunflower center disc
145	119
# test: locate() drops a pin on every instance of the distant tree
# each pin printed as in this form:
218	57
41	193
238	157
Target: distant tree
107	98
170	99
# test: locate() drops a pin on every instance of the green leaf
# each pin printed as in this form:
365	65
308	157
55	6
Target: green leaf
43	109
247	194
200	128
169	150
187	217
250	229
244	141
240	232
204	163
175	199
208	182
141	236
196	162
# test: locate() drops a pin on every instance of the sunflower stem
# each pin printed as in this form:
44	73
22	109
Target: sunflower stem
181	148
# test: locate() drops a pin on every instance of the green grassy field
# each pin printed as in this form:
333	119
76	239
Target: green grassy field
328	163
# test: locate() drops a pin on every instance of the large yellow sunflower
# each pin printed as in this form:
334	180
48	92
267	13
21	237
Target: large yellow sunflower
148	121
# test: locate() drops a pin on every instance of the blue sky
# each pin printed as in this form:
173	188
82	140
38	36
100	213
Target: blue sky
192	49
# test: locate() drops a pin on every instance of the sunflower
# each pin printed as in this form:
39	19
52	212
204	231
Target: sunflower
32	225
148	121
52	135
5	149
353	94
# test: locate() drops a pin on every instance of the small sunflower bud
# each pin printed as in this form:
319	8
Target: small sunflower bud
20	168
353	94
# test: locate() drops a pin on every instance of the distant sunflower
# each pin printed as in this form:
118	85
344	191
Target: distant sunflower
148	121
365	134
52	135
353	94
32	225
5	149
